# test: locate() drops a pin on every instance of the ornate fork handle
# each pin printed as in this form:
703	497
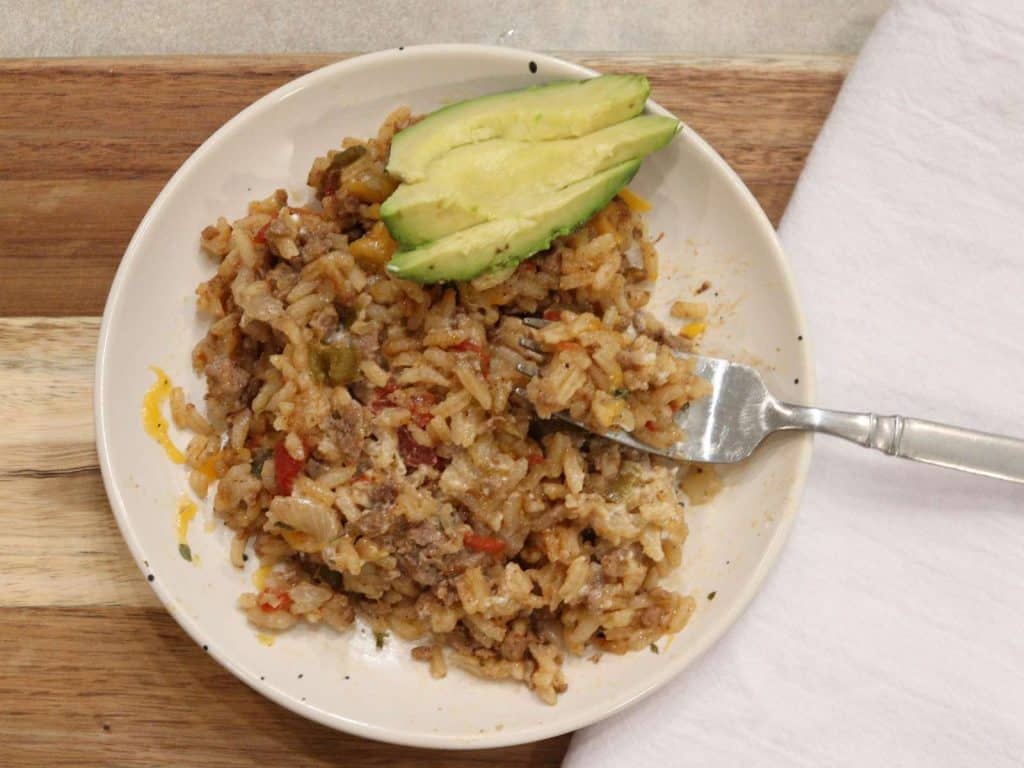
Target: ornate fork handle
927	441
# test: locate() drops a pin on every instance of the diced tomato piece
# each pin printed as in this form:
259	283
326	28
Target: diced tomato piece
420	404
552	314
483	354
416	455
422	399
490	544
283	601
286	469
534	459
261	234
651	426
568	346
382	397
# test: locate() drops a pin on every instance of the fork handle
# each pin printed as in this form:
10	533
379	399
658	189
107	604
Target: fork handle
927	441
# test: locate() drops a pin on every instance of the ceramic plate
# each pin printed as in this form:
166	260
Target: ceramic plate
713	230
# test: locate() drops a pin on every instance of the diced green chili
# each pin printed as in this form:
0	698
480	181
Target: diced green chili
334	364
347	156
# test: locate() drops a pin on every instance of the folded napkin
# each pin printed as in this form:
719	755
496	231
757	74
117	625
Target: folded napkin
892	631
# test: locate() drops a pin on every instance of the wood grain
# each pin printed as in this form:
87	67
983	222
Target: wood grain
127	687
85	145
95	672
57	521
46	366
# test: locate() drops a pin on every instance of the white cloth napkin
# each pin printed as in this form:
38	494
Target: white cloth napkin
892	631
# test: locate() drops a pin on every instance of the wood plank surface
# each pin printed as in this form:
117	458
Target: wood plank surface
86	145
126	687
94	670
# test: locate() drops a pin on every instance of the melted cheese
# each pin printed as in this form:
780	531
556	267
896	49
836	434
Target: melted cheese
152	418
259	577
634	201
186	511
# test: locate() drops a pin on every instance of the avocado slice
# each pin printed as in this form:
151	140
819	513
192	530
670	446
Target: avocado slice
470	252
499	178
557	110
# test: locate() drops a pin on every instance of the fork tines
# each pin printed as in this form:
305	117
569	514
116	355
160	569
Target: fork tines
527	343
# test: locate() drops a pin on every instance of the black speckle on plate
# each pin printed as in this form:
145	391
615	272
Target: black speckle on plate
262	677
151	577
533	67
796	381
300	675
799	338
206	647
401	47
347	677
711	595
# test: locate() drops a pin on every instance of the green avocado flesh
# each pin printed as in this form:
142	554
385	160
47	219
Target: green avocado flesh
499	178
554	111
470	252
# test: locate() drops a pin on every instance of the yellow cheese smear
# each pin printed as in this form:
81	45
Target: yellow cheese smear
259	577
636	203
153	420
186	511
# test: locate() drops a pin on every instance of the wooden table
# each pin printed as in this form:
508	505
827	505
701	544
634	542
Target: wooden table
92	669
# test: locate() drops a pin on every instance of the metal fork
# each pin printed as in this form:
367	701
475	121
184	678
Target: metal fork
727	425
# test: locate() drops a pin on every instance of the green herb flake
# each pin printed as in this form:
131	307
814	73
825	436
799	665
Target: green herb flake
380	638
654	649
258	462
185	551
620	392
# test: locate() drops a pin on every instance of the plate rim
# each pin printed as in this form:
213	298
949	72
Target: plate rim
555	726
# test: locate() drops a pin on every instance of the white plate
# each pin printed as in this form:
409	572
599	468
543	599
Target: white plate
713	230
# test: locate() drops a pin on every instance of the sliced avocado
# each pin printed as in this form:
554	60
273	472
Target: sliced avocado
557	110
499	178
470	252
